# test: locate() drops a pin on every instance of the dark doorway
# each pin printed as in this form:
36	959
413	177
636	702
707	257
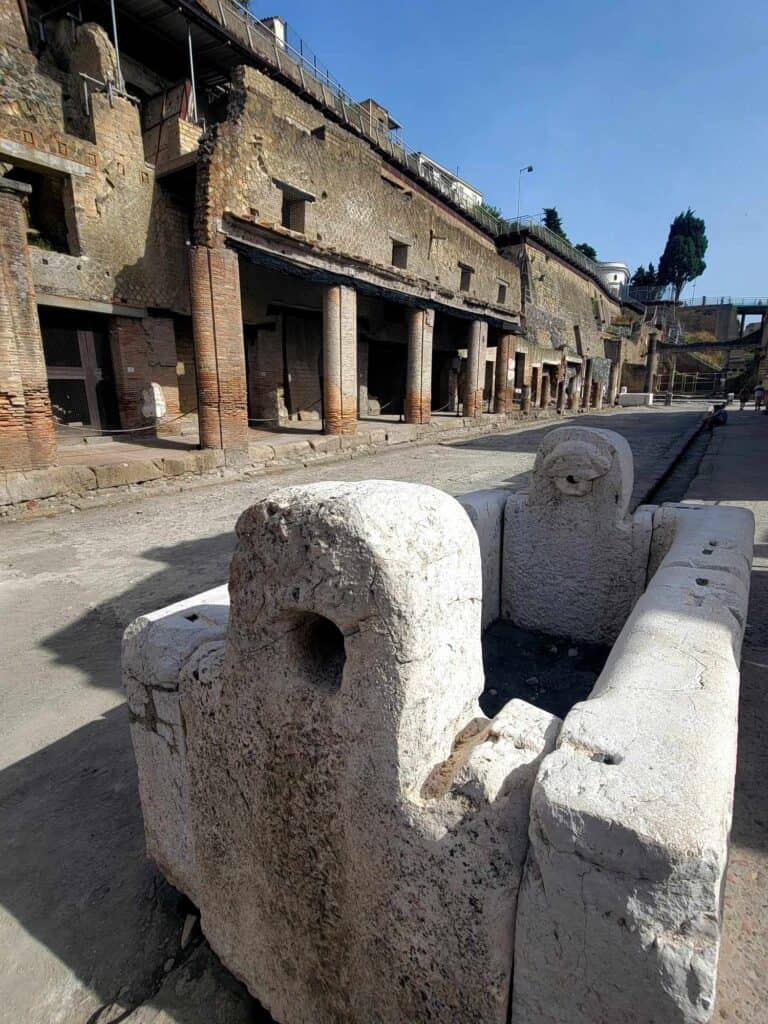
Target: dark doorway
79	367
386	375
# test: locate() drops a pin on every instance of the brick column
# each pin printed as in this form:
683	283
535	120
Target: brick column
475	379
505	391
586	400
217	325
27	429
340	360
651	361
418	377
546	388
525	403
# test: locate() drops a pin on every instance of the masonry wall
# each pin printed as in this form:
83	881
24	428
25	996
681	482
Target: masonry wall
720	323
128	227
558	298
273	139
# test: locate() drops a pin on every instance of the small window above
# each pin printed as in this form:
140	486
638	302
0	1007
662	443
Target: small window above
399	254
294	208
294	213
501	297
465	278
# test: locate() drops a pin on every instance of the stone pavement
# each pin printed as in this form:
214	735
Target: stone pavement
87	929
732	472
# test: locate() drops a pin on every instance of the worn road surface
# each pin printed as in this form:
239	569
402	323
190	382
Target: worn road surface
88	931
732	472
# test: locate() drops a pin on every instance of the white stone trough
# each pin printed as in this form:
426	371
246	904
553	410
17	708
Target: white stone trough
363	843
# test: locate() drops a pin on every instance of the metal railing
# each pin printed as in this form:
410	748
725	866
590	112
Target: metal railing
294	59
650	294
724	300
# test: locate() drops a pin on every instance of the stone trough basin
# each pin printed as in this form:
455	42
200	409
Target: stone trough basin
363	843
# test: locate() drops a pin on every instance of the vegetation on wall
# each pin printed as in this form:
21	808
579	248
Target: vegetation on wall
555	225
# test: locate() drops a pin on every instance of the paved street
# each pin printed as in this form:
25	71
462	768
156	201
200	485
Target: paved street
85	936
732	473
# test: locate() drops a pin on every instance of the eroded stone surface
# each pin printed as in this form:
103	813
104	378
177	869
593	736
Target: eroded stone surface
574	561
619	914
486	513
351	826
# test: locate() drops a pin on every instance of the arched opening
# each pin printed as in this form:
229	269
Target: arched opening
318	649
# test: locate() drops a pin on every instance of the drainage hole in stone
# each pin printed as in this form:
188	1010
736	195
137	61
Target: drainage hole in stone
706	551
571	478
701	581
192	618
607	758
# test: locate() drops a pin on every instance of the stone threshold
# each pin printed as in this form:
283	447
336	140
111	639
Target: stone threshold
57	489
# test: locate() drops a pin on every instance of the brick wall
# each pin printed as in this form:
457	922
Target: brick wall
144	354
27	435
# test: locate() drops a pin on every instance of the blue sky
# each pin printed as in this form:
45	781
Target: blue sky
629	113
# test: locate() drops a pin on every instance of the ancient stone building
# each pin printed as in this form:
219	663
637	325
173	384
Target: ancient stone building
202	232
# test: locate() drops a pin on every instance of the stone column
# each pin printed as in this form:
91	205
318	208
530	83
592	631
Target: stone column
561	394
27	428
339	359
586	400
614	378
573	391
651	361
505	389
217	325
598	394
418	376
546	388
475	379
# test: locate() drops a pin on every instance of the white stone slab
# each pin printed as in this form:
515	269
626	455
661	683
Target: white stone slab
619	914
351	826
574	561
486	513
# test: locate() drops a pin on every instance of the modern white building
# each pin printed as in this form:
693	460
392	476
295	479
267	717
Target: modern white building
613	276
461	191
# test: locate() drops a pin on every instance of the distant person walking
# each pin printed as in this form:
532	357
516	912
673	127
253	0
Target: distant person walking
759	396
744	396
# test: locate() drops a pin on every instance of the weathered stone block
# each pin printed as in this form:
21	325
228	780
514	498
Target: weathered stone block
118	474
35	484
486	513
351	826
574	561
209	459
620	913
261	452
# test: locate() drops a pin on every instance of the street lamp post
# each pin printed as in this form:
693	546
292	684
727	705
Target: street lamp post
523	170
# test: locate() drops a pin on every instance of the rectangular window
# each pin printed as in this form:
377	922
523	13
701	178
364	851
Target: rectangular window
577	336
465	280
399	254
293	213
501	298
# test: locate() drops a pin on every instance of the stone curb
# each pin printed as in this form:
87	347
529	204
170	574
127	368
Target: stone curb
670	460
67	488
